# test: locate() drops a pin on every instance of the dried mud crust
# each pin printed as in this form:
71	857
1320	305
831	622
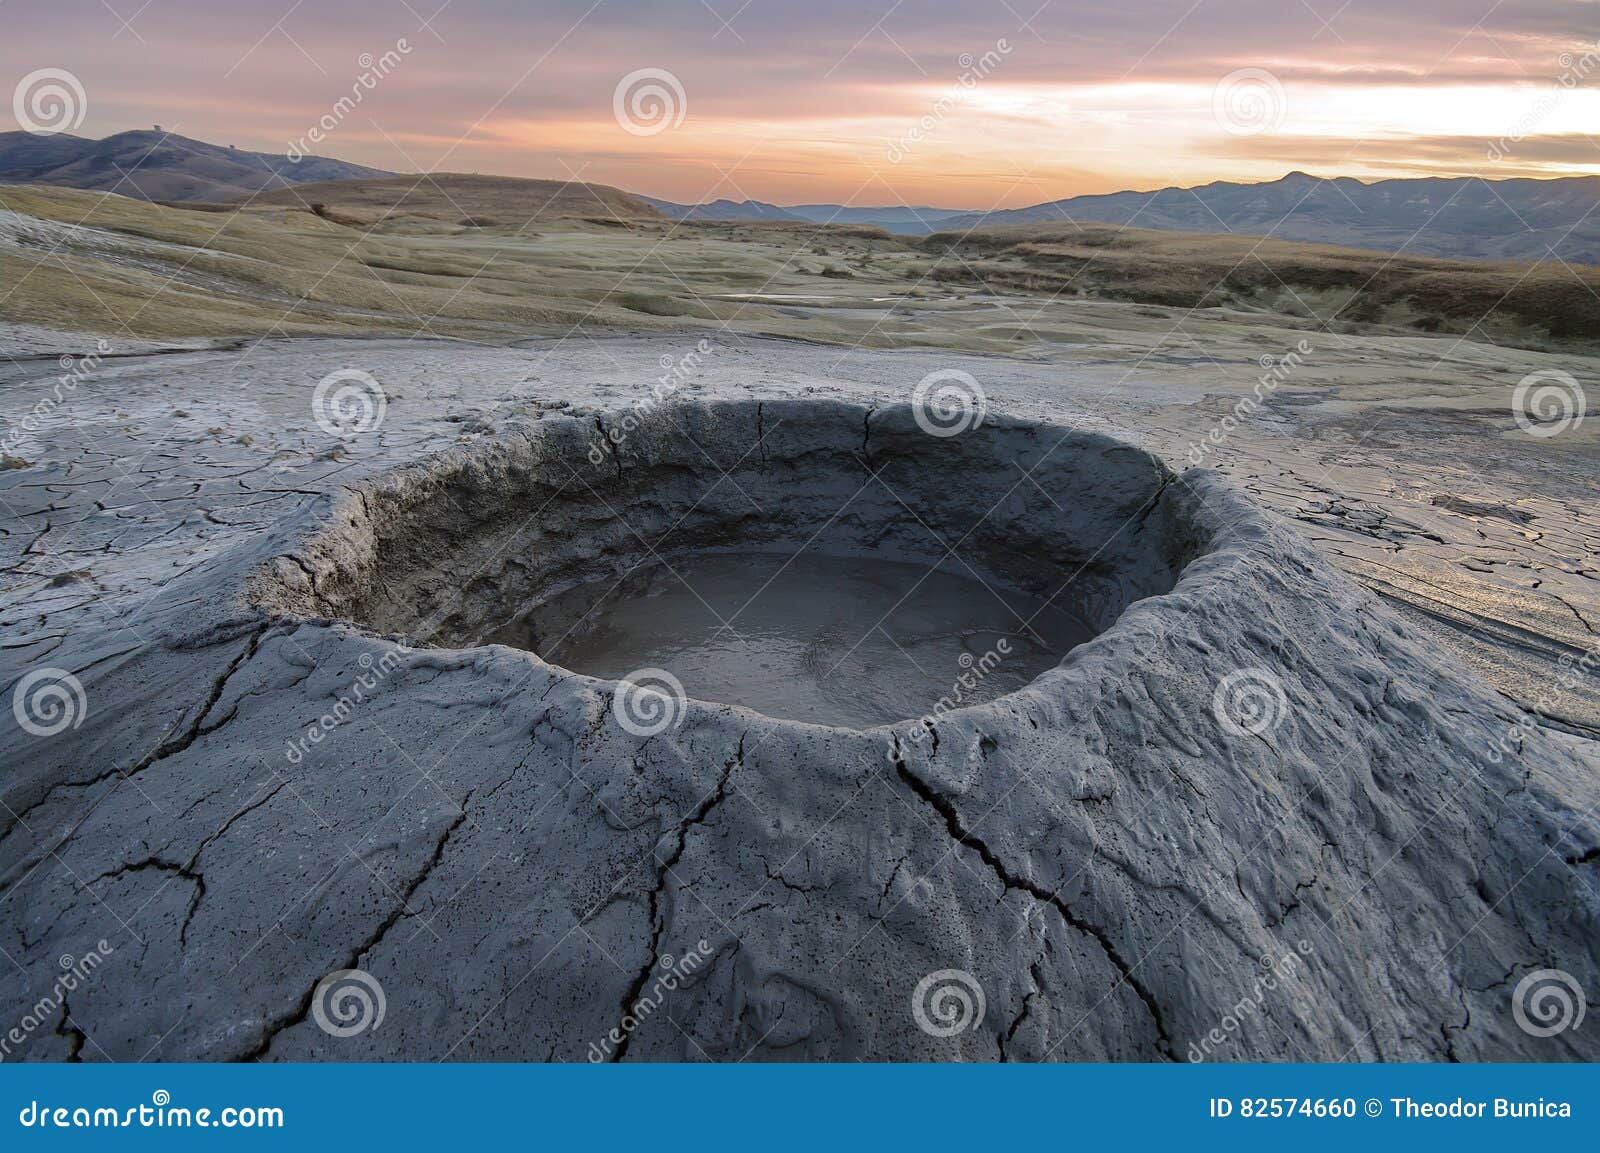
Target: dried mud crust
1110	863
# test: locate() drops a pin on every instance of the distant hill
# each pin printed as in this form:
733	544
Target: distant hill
721	210
483	201
908	220
1450	217
912	220
158	166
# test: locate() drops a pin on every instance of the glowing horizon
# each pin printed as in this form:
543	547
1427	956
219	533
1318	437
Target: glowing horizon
926	102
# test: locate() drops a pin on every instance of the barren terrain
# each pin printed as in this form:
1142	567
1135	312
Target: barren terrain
1380	532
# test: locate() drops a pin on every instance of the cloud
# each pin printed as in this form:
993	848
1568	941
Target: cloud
1536	155
805	97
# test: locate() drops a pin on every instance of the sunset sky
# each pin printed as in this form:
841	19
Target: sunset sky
860	101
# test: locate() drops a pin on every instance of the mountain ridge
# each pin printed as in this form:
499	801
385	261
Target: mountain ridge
1464	217
160	166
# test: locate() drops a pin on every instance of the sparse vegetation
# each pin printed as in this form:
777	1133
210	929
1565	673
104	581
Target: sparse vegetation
1506	302
460	256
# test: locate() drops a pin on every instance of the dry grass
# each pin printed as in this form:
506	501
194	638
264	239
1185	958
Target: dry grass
472	201
126	266
370	264
1549	303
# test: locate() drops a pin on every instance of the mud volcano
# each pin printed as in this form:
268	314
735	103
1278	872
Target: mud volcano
1242	769
1250	817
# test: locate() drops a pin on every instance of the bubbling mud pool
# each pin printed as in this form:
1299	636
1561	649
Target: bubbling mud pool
834	640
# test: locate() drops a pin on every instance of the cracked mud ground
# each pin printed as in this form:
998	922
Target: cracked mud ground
483	838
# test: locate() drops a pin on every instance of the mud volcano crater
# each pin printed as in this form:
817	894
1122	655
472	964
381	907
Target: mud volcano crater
816	561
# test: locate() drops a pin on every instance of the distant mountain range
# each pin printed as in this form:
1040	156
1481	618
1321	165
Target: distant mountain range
1463	217
159	166
1466	217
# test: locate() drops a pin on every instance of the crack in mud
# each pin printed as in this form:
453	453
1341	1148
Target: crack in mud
658	924
1013	880
164	749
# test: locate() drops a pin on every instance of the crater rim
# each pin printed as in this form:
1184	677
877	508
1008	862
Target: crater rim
323	580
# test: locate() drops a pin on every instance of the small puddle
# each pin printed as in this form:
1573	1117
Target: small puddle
829	640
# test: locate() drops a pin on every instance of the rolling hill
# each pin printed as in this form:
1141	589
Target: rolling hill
159	166
168	169
480	201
